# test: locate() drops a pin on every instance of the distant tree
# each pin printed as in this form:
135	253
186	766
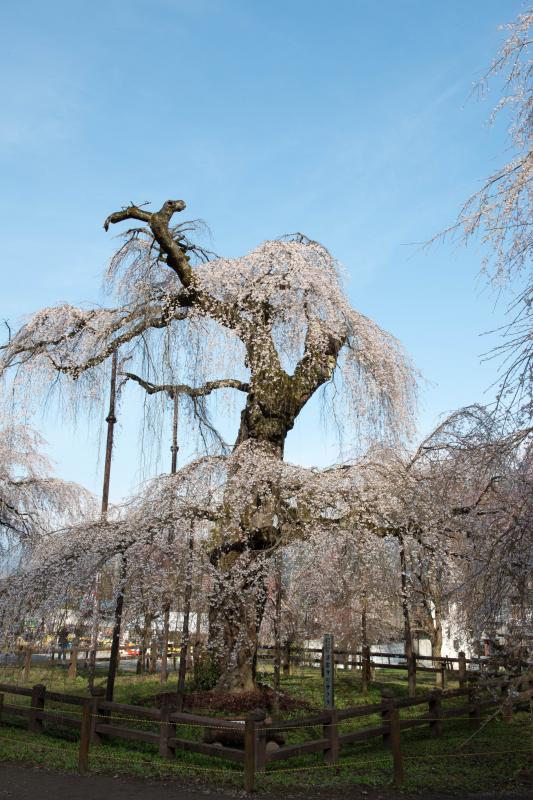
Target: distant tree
500	214
33	502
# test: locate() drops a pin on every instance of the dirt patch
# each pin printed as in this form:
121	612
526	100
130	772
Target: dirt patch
262	697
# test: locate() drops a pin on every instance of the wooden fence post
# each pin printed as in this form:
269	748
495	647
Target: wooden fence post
260	741
411	674
331	733
85	738
443	676
462	669
397	761
37	704
435	722
387	707
366	669
250	735
93	705
328	657
166	730
73	667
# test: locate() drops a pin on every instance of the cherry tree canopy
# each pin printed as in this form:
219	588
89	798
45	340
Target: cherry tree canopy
275	326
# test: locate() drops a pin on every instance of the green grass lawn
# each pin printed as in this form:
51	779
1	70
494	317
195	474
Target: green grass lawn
462	759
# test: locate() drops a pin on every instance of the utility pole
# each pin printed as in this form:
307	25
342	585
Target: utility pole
163	675
185	630
110	419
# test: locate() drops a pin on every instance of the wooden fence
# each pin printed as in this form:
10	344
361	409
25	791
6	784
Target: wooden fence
249	738
443	667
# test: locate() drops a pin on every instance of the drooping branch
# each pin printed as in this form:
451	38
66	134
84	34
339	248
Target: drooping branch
75	340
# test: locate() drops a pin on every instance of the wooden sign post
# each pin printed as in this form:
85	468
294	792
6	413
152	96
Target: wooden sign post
329	671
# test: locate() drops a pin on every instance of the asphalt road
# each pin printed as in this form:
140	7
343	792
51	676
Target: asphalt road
29	783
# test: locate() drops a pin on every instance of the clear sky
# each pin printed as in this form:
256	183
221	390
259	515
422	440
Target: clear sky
349	121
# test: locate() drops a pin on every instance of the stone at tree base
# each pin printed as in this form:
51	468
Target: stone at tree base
235	738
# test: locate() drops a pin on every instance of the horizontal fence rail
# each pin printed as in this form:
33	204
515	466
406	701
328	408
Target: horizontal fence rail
256	741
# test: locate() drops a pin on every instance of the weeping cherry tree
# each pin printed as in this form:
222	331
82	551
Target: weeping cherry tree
273	327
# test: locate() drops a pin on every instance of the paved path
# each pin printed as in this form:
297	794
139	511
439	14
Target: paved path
29	783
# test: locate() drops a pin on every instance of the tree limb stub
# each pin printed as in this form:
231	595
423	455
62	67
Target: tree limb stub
158	222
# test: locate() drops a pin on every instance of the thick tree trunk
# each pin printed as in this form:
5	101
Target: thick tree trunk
235	613
236	607
277	632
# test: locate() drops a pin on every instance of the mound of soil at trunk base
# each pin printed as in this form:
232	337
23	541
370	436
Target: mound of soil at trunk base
261	697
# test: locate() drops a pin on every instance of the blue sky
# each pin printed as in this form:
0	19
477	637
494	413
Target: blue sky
350	121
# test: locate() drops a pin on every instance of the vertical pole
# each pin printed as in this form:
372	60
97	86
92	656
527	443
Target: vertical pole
411	674
365	669
395	743
329	675
408	636
85	739
166	731
443	675
115	641
331	733
185	633
163	675
37	704
387	707
249	752
462	669
111	420
96	715
174	446
260	741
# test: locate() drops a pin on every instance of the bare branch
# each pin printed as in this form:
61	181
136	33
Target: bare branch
181	388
